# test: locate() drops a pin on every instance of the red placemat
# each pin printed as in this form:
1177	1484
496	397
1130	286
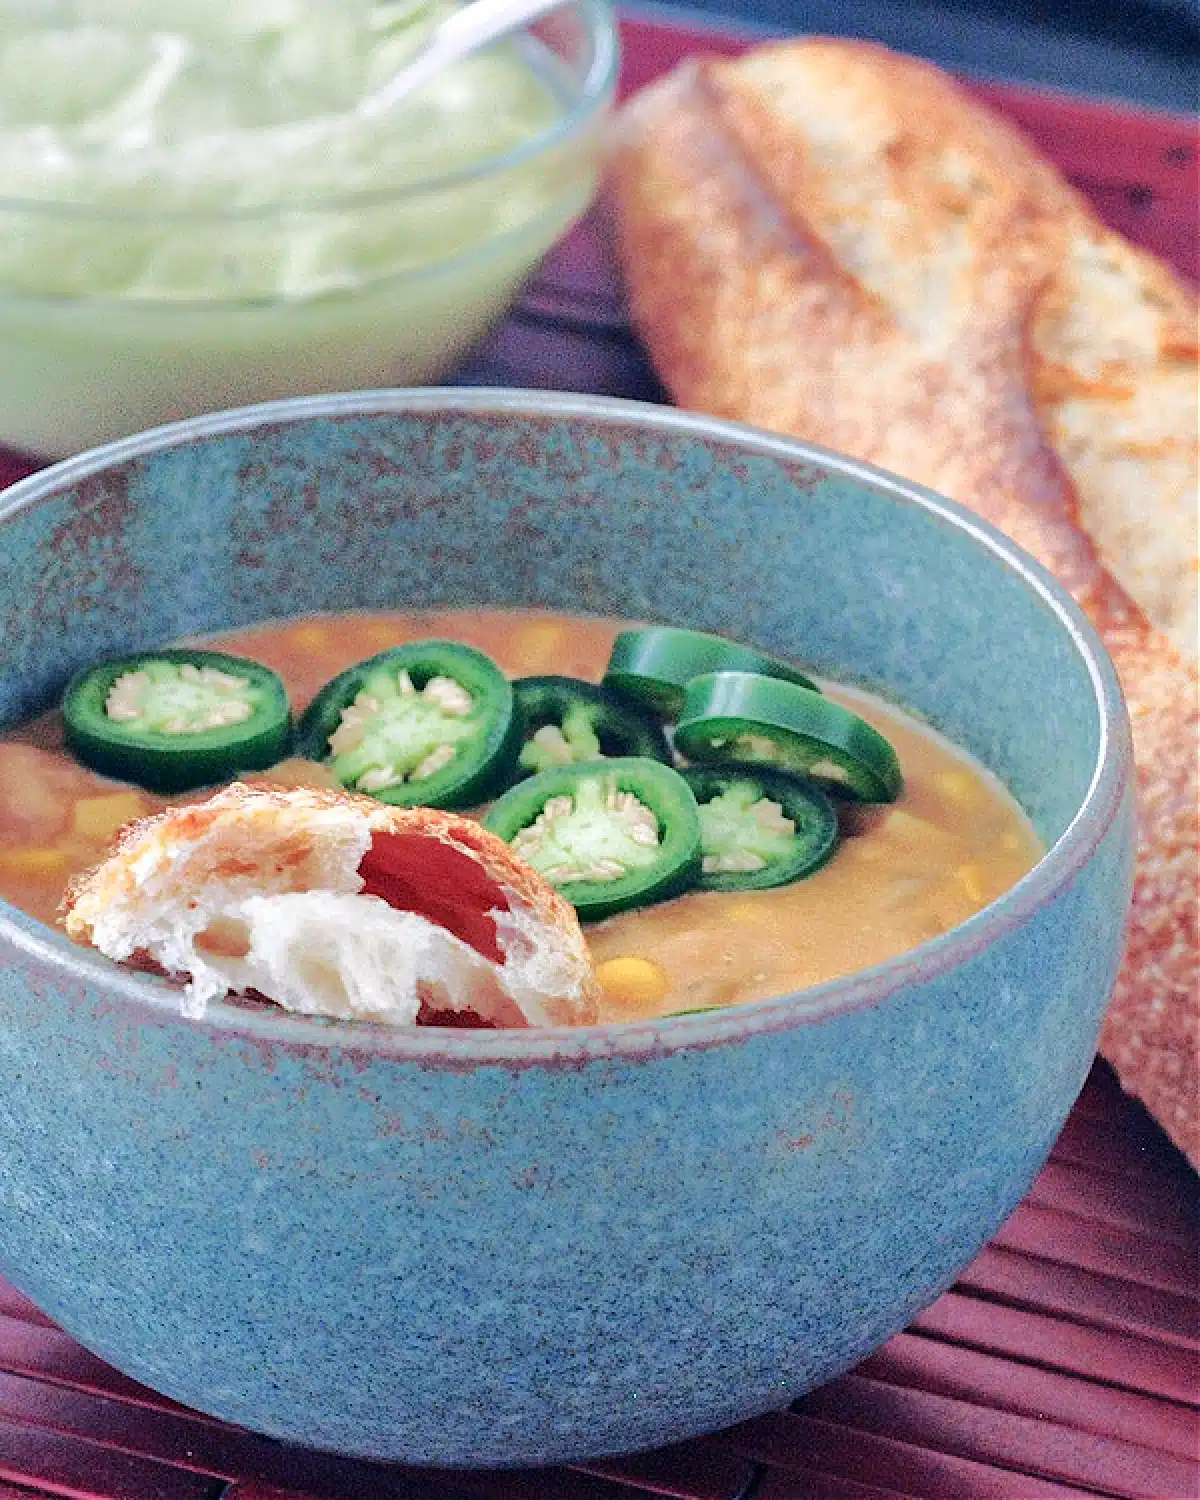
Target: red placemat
1062	1364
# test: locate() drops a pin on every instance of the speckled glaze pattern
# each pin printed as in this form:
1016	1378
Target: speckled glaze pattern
514	1248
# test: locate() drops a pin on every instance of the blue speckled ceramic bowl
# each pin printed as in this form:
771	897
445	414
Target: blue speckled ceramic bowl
499	1248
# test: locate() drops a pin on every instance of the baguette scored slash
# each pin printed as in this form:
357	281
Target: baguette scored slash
833	241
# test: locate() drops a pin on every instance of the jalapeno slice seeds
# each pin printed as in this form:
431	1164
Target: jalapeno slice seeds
429	724
652	666
759	828
178	719
565	721
741	718
610	834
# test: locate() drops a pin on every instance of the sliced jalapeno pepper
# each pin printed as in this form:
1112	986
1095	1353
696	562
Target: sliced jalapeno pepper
610	834
429	724
565	720
177	719
759	828
744	719
652	666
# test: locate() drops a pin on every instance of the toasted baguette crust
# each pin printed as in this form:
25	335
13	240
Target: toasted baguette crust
306	838
832	241
288	810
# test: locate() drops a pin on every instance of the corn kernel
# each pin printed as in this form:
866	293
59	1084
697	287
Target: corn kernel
380	635
539	647
970	877
918	836
746	913
957	786
314	638
34	862
632	981
100	817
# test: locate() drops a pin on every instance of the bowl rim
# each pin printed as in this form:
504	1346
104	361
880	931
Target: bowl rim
595	89
156	999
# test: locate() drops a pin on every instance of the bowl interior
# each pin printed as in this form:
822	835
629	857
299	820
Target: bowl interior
430	501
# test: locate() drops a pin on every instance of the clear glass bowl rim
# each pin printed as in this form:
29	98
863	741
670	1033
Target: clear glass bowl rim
595	91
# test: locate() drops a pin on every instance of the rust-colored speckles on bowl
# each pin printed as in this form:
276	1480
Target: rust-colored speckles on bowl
508	1248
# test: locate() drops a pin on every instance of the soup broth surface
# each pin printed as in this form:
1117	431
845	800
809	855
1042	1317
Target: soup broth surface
903	873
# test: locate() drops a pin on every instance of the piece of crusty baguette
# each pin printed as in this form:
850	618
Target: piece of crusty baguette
281	892
829	240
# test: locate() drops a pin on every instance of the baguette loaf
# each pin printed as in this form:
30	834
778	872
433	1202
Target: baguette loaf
333	904
835	242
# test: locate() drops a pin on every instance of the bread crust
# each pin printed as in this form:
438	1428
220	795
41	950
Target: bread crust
251	833
835	242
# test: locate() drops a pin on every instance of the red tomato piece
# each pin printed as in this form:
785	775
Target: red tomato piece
421	874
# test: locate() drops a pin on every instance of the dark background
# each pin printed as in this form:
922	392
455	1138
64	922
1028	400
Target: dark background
1142	51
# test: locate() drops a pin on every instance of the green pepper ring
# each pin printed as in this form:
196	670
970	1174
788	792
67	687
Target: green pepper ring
659	787
801	800
622	728
725	713
477	770
652	666
175	762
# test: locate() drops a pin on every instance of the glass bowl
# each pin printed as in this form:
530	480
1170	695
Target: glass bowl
114	318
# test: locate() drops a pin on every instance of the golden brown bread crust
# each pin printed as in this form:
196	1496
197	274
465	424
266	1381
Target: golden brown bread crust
113	878
288	809
832	241
275	834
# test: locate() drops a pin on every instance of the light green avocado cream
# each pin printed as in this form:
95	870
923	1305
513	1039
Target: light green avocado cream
194	214
141	109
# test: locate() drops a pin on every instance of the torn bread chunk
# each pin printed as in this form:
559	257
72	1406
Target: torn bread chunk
332	904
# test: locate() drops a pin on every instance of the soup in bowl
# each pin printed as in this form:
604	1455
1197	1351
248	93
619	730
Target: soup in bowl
797	1106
